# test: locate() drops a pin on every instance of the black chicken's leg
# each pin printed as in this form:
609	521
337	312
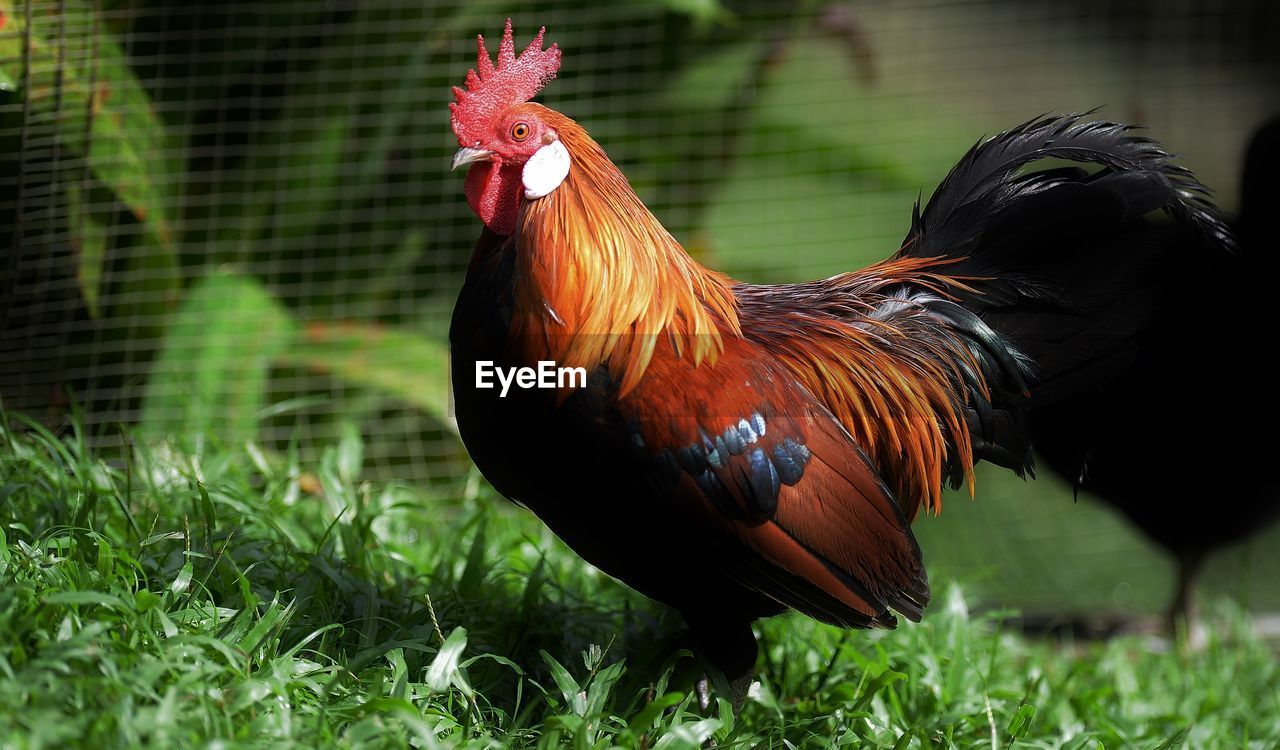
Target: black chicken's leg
1182	612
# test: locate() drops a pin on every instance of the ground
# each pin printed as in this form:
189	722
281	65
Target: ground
227	595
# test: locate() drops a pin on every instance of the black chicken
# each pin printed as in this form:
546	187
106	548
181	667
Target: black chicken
1180	443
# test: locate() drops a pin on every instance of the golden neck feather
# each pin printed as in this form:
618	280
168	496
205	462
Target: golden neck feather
599	280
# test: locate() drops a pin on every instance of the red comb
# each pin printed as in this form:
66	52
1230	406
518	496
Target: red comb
491	89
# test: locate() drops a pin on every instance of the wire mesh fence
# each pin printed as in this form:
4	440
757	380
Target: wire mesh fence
237	219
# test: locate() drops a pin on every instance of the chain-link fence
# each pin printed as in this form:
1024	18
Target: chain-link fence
237	219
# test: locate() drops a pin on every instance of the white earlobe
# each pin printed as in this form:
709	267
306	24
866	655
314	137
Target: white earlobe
545	170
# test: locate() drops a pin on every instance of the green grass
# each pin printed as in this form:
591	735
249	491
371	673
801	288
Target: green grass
227	596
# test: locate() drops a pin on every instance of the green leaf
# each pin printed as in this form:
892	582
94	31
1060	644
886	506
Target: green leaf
394	362
276	613
1020	724
643	721
504	661
81	80
573	695
473	573
350	455
211	374
874	686
399	674
144	600
444	670
163	536
105	559
183	580
86	597
207	514
688	735
600	688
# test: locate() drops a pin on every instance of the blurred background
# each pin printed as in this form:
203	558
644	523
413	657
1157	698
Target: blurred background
236	222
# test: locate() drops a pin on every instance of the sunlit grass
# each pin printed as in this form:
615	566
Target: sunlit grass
233	595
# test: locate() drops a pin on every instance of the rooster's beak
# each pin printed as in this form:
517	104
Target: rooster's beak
468	156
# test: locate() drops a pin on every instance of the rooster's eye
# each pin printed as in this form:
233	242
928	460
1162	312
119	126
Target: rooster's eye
520	131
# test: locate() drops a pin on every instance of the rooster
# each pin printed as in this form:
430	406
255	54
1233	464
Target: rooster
739	450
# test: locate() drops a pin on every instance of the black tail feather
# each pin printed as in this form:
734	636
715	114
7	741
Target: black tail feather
984	181
1065	265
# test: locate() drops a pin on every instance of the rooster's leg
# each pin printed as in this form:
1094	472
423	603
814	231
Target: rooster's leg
730	646
738	691
738	688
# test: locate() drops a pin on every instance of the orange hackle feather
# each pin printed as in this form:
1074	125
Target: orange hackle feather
599	281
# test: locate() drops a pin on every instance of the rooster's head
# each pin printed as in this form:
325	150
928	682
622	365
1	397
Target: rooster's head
511	150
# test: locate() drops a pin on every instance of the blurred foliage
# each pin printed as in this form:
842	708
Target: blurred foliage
304	146
79	81
164	172
396	362
210	375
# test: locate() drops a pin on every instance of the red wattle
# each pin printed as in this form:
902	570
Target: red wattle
493	192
